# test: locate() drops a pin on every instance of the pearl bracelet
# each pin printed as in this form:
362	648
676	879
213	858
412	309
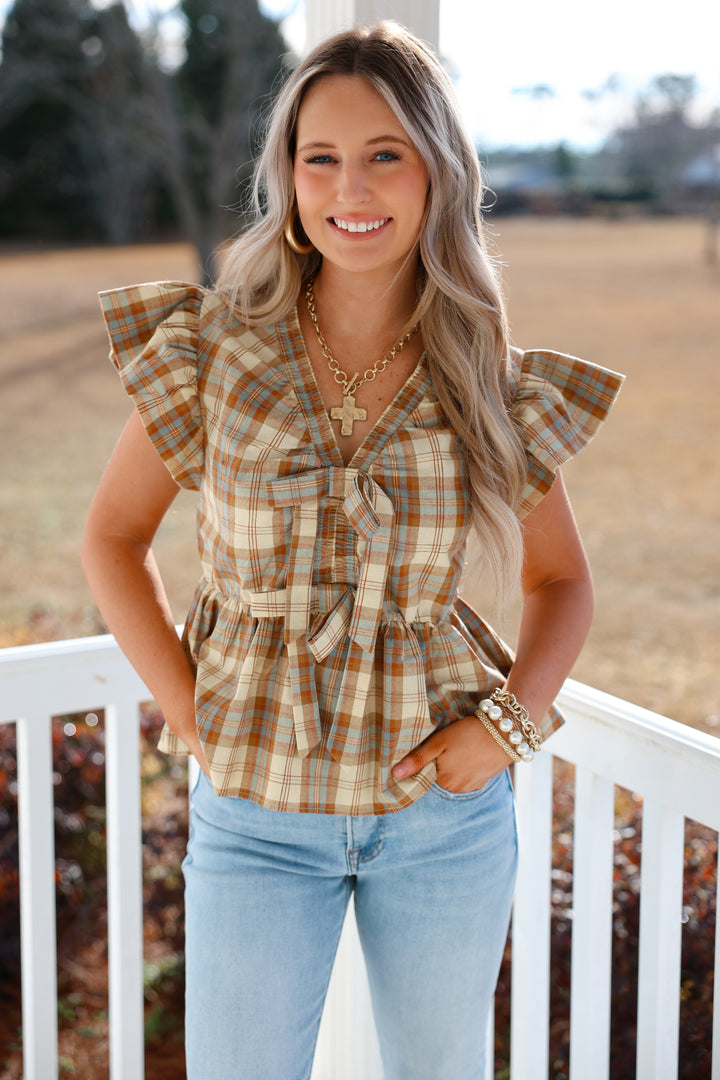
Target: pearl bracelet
510	725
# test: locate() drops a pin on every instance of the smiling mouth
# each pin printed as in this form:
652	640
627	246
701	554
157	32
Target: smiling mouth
359	226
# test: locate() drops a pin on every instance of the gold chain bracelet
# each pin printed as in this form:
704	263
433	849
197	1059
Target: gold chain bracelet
499	739
510	725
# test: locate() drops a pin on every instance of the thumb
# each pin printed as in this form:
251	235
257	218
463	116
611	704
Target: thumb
418	758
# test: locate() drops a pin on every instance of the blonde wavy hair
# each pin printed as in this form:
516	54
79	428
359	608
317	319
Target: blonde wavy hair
460	307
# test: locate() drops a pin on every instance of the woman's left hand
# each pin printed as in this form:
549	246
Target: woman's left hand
465	754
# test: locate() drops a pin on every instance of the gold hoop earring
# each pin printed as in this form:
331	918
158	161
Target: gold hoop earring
292	243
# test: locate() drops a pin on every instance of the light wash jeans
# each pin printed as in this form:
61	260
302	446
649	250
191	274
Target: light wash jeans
266	895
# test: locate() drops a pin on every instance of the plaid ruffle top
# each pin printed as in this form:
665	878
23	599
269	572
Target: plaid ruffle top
326	632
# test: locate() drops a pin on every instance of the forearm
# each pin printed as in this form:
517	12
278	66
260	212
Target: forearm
133	496
556	617
125	581
555	622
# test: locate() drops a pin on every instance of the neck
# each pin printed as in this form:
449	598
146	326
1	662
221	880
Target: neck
366	305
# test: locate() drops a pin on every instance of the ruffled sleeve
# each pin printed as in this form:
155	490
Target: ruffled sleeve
559	403
153	332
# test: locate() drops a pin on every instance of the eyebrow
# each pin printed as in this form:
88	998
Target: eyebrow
321	144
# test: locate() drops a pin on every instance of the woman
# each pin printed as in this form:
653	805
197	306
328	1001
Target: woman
347	404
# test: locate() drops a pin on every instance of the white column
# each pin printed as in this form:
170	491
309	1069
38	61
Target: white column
325	17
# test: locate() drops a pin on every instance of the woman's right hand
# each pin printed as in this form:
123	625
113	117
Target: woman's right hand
195	747
181	722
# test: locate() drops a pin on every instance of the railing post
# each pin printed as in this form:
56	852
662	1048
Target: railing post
663	836
591	927
125	908
36	819
530	975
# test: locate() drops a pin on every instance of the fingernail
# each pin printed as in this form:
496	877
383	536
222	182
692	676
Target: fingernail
401	770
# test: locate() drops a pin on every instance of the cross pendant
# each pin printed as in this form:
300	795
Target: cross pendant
348	413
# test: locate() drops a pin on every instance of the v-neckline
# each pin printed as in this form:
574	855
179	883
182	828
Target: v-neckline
311	401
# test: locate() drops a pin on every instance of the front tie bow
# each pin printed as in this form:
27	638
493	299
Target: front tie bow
356	614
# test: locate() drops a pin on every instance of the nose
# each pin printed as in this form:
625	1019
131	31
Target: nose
352	185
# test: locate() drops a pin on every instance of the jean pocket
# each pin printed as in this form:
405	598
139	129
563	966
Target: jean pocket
463	796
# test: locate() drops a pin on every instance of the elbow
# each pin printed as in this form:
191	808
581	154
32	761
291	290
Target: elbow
566	601
103	550
95	545
577	596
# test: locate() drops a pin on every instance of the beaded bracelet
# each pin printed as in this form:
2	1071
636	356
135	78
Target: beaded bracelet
510	725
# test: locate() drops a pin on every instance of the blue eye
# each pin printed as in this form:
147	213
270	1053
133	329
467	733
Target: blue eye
387	155
318	159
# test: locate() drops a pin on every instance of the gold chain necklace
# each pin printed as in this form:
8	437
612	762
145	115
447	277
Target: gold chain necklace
348	412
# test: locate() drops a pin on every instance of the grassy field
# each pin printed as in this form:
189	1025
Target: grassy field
634	296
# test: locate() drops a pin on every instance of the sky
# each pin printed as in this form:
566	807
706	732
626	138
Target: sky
498	51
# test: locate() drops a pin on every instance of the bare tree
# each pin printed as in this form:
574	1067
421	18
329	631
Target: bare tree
71	90
662	141
206	112
94	127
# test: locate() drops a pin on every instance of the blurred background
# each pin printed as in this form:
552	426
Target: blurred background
127	133
123	123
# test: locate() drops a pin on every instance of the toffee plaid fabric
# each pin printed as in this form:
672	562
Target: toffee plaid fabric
327	632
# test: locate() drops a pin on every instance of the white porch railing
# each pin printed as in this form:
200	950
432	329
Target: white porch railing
676	769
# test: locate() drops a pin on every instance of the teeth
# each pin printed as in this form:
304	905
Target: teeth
359	226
